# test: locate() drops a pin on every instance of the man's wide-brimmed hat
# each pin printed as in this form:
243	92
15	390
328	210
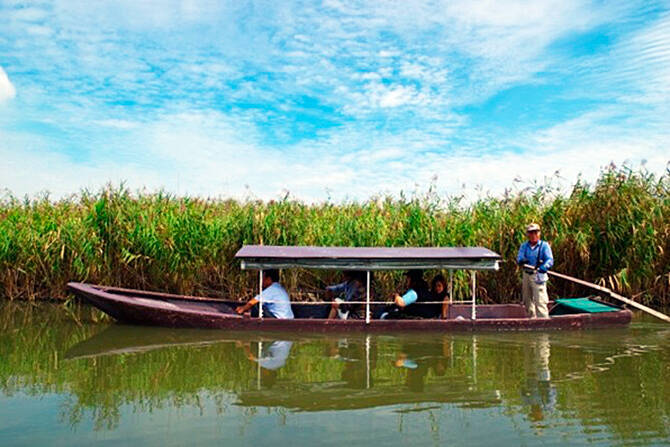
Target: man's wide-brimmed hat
532	227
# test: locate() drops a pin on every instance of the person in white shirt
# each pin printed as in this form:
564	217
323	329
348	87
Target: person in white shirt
276	302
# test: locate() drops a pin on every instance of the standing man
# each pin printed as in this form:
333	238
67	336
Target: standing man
535	258
276	302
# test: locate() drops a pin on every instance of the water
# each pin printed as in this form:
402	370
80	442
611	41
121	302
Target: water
69	378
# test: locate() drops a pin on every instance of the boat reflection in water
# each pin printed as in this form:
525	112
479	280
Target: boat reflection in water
347	372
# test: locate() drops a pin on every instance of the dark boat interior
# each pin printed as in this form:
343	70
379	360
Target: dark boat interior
320	311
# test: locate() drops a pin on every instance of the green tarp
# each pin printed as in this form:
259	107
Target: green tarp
584	305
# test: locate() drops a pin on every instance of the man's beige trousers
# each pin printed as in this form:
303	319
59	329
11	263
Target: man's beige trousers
535	297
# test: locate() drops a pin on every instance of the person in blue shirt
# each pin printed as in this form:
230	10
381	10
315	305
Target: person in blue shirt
535	258
416	292
351	289
276	302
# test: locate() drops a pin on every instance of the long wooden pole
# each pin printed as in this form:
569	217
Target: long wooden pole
616	296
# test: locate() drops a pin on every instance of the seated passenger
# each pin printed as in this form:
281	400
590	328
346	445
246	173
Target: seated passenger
417	292
439	292
351	289
276	303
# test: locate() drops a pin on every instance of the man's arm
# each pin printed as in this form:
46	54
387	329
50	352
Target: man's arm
334	290
249	354
245	308
548	259
408	298
337	288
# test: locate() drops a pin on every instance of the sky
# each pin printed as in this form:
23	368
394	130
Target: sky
333	100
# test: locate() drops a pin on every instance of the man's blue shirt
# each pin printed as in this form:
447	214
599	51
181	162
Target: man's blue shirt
529	254
349	289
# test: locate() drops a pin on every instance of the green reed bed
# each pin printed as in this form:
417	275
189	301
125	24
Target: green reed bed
615	232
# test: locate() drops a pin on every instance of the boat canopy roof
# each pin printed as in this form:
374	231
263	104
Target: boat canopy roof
261	257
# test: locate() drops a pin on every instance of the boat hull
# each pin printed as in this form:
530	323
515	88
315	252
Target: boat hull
165	310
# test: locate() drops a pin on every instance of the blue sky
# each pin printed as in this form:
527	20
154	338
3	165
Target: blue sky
333	99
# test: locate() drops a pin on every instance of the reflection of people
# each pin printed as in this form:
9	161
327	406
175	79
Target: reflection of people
354	355
351	289
535	258
418	360
538	392
273	357
276	303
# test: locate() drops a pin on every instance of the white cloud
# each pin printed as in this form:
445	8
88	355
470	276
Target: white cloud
117	123
7	90
397	96
29	167
205	99
650	49
209	155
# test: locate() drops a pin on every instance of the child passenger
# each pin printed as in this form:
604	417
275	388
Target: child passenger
439	292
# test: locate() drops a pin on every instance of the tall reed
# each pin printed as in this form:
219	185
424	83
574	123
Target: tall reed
615	231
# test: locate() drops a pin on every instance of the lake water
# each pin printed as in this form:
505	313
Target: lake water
69	377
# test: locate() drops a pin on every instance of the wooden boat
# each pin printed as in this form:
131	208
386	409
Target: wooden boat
168	310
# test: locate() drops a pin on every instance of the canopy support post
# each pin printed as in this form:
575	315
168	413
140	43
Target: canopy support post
367	362
260	294
451	286
474	359
367	298
473	275
258	365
